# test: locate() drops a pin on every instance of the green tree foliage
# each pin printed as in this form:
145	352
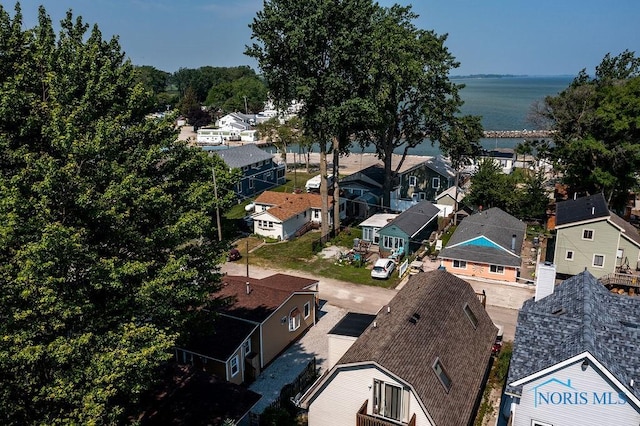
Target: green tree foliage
190	108
202	79
157	82
107	244
315	52
412	94
597	128
283	135
231	96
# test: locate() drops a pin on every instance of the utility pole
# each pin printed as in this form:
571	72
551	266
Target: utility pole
246	111
215	192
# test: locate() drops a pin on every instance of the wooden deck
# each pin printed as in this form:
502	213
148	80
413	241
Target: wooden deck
622	283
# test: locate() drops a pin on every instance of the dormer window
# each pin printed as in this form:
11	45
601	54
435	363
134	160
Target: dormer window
438	368
470	315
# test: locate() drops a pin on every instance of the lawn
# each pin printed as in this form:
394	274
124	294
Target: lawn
298	255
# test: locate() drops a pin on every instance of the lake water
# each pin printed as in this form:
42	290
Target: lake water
502	102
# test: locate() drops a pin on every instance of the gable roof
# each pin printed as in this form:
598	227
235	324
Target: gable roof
370	177
414	218
627	230
287	205
588	319
486	237
581	209
242	156
441	331
451	192
438	165
265	296
223	340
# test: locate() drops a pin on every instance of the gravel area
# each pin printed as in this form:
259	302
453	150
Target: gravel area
286	367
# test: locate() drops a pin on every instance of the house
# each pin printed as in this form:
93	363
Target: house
589	235
487	244
575	358
371	226
422	361
406	232
258	320
343	335
502	157
449	196
416	180
281	215
259	170
189	396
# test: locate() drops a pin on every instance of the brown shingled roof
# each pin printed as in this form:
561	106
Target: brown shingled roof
264	297
286	205
439	330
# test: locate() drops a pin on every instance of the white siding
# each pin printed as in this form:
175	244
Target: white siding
338	346
580	404
343	395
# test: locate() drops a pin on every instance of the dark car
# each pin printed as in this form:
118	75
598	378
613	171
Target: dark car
234	254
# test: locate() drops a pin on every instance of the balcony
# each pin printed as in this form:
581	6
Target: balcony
363	419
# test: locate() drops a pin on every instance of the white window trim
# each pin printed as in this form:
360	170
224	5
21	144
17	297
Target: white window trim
453	264
593	261
246	347
237	362
593	233
307	310
539	423
413	181
378	410
566	255
496	272
293	324
433	182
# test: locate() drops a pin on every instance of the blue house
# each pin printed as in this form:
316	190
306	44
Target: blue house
404	234
259	171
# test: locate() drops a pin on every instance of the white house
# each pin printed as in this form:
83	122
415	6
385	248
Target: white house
373	224
575	359
422	361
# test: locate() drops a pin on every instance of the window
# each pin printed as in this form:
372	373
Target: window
438	368
367	234
471	315
392	242
587	234
413	181
460	264
234	366
246	347
569	255
307	309
390	401
294	319
496	269
316	214
251	183
598	260
435	182
422	195
267	176
239	187
245	168
538	423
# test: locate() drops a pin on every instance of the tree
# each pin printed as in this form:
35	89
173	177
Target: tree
412	95
192	110
108	253
490	187
596	130
246	94
314	52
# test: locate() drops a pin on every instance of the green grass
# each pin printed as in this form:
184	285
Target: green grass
298	255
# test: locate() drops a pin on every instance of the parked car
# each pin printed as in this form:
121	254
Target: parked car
234	254
383	268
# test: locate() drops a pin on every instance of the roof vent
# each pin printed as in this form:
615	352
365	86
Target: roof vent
416	315
559	311
412	320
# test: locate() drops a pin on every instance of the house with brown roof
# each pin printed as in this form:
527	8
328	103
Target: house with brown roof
259	319
281	215
422	361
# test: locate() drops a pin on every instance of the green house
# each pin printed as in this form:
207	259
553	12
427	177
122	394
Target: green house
406	232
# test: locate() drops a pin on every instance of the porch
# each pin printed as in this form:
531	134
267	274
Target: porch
364	419
619	283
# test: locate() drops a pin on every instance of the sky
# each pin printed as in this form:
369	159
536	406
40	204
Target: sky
522	37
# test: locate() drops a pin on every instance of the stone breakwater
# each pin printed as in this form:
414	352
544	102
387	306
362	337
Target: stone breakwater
518	134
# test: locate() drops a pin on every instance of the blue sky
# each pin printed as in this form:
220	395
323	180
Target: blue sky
541	37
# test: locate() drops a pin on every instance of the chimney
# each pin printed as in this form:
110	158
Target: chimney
388	309
545	280
513	242
248	287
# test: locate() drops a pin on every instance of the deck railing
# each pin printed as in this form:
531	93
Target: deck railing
363	419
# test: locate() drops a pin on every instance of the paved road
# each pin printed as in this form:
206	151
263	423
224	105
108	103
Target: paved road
503	300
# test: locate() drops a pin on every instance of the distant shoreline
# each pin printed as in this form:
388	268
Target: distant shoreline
518	134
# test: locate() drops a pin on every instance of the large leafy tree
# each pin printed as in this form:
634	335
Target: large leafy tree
413	97
246	94
107	244
597	130
315	51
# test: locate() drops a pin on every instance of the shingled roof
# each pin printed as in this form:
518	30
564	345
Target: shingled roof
242	156
581	209
426	321
580	316
264	296
414	218
471	241
287	205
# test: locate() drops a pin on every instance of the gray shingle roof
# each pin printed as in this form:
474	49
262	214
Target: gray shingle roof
580	209
590	319
241	156
442	331
414	218
495	225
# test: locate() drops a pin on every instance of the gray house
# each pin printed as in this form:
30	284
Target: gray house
575	359
259	170
406	232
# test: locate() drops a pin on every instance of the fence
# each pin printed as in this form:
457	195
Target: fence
317	245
